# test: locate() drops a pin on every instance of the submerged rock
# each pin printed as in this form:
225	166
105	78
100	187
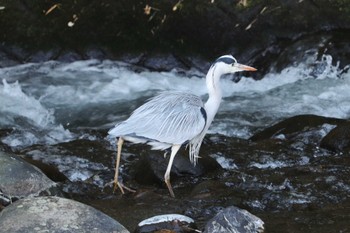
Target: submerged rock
19	179
54	214
151	167
233	219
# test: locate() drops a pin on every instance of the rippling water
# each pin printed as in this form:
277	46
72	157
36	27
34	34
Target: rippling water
46	102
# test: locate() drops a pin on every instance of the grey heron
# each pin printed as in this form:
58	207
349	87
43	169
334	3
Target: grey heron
172	119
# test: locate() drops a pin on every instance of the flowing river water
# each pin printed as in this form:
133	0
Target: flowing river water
58	113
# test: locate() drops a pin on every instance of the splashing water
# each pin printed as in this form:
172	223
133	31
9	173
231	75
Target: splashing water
32	123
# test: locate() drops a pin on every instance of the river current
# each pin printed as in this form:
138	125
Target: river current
47	103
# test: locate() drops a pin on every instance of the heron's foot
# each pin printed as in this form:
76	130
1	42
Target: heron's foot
119	185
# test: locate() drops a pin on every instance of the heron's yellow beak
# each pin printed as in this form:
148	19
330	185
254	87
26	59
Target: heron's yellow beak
241	67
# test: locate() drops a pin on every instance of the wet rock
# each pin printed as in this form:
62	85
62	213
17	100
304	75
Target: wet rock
157	62
162	62
20	179
49	170
167	223
6	61
338	139
208	189
14	53
300	51
69	56
54	214
167	62
233	219
4	200
152	166
294	125
96	53
42	56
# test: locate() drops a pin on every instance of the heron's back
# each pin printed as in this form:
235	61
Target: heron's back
171	117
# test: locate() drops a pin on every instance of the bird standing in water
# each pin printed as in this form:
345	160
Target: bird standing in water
172	119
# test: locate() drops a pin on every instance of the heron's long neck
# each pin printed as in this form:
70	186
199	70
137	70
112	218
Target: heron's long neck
214	90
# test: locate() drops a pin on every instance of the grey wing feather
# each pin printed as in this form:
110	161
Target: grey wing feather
171	117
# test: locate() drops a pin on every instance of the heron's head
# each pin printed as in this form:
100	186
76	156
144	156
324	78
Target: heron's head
227	64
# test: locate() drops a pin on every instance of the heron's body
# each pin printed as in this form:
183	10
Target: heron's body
172	119
150	122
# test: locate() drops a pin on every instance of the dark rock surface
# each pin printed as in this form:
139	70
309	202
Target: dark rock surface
233	219
151	168
55	214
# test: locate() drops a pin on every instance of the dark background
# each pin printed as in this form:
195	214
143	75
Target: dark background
255	31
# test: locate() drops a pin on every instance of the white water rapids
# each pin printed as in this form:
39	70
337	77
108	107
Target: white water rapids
45	102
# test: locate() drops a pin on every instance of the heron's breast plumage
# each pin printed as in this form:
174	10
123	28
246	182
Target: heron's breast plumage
170	118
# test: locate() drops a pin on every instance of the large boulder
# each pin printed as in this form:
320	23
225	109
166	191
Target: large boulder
55	214
20	179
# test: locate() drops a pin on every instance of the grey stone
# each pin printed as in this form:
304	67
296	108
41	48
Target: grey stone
55	214
21	179
234	220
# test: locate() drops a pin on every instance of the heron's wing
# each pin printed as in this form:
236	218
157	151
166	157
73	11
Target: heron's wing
171	117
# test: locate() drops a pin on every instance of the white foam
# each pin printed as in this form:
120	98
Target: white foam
33	122
269	165
17	103
226	163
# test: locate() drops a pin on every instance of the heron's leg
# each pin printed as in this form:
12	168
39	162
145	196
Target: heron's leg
174	150
117	162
